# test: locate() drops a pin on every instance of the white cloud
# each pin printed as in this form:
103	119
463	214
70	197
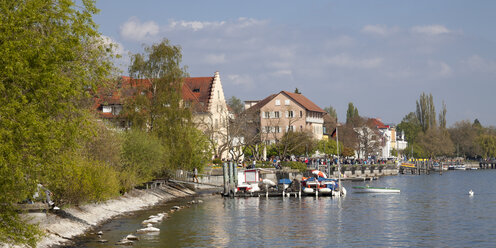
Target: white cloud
282	73
440	69
240	80
431	30
194	25
240	23
379	30
134	29
215	59
343	60
478	64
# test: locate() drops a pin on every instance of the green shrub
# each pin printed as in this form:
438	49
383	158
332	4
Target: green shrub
75	179
142	158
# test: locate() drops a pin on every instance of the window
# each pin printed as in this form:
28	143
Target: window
266	115
277	129
301	113
278	102
196	90
266	129
276	114
286	102
106	109
289	128
290	114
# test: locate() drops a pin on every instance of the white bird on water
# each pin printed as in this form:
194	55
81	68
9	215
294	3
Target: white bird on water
471	193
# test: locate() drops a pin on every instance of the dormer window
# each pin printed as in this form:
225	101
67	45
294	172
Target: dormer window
196	90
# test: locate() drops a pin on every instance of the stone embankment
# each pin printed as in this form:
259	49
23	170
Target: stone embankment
62	225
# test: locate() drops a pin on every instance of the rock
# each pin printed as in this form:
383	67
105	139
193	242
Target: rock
131	237
125	242
149	229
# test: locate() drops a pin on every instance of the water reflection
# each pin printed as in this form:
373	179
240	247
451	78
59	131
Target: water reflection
431	211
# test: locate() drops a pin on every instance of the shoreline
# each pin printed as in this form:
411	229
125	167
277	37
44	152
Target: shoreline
63	225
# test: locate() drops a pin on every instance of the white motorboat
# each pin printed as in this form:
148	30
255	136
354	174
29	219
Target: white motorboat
368	189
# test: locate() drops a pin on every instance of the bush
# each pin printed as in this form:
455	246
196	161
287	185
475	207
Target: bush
75	179
142	159
302	167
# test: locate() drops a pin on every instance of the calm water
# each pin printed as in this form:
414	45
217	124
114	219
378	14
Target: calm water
431	211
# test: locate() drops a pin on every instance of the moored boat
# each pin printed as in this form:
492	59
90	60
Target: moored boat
368	189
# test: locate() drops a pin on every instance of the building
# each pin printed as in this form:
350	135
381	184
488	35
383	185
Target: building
283	112
204	95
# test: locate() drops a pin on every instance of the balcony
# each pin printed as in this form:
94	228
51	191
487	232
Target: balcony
315	120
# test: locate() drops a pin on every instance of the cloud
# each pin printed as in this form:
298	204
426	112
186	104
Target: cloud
476	63
240	23
379	30
240	80
344	60
194	25
215	59
134	29
430	30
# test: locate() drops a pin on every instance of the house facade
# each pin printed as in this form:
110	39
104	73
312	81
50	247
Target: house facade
283	112
204	95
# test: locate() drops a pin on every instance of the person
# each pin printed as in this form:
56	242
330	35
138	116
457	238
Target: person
195	176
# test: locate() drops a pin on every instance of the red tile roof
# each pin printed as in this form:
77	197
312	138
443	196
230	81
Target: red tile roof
196	91
378	123
303	101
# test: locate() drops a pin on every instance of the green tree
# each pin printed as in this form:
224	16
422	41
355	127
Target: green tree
159	109
442	117
352	114
236	105
463	136
297	91
487	143
426	111
332	113
51	55
411	126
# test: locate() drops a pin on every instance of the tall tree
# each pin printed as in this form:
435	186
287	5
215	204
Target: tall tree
158	105
442	117
51	55
464	136
351	114
426	112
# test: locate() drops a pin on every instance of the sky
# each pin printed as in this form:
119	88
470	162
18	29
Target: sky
379	55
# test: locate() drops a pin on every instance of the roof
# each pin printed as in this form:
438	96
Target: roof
378	123
303	101
261	103
196	91
200	87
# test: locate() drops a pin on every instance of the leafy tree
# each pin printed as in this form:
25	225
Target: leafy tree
297	91
159	107
51	55
329	147
142	158
464	136
236	105
487	144
436	142
296	143
332	113
411	126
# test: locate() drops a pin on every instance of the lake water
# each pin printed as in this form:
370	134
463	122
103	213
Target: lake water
431	211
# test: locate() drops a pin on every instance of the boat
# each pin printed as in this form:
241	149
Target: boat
368	189
460	167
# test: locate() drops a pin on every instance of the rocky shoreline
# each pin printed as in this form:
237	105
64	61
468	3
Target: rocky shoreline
63	225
